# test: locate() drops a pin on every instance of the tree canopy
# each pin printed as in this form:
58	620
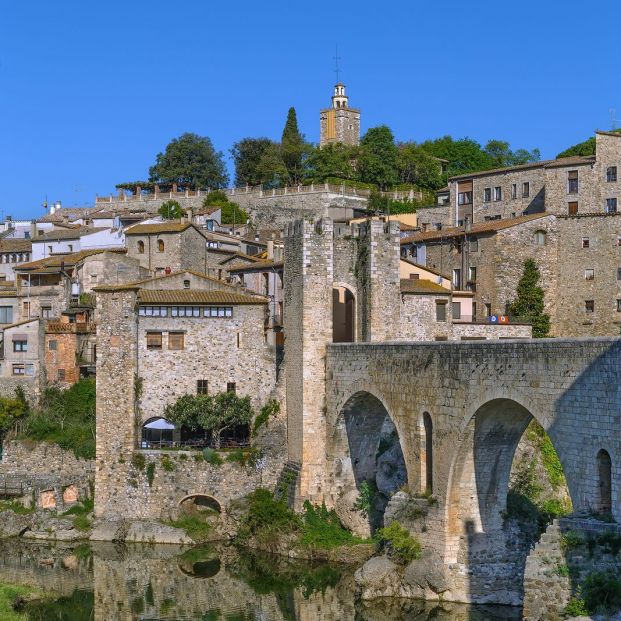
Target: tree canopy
230	212
247	154
192	161
171	210
293	148
377	162
529	303
215	413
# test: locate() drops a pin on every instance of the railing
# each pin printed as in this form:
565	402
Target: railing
60	327
192	445
11	490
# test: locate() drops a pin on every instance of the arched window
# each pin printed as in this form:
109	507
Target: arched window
540	238
428	424
160	245
604	470
186	284
141	247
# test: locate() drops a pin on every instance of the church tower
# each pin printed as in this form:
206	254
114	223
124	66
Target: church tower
340	123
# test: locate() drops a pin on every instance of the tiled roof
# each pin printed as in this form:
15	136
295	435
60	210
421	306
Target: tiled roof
481	227
15	245
66	234
194	296
240	255
576	160
422	287
159	227
138	284
20	323
53	263
258	266
205	211
424	267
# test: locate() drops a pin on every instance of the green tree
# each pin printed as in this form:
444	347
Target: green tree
216	413
231	213
293	148
378	157
271	169
331	160
463	156
501	155
13	411
417	167
529	303
171	210
190	160
247	154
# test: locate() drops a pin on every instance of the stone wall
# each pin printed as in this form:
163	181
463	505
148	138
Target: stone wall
217	349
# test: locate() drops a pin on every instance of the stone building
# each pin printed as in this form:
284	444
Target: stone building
340	123
13	252
572	185
166	247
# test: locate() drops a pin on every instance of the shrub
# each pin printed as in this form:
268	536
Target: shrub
16	507
167	464
399	542
81	522
171	210
138	461
366	497
150	473
211	457
83	507
575	608
571	539
321	529
601	591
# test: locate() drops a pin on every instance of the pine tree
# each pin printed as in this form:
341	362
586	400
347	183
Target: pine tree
293	147
529	304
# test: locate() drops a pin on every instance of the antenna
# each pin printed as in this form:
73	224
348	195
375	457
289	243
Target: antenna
613	118
336	60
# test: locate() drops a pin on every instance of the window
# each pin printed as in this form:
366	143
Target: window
93	277
70	246
464	198
154	340
474	311
498	193
6	314
176	340
611	205
618	306
474	244
456	310
50	249
589	306
540	238
230	387
440	310
611	174
212	244
140	247
514	190
572	182
20	346
488	310
589	274
19	369
219	311
525	189
487	195
46	312
457	279
201	387
26	308
160	245
186	284
585	242
619	273
572	208
61	375
472	274
52	345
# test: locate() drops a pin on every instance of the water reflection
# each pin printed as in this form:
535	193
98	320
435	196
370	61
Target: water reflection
162	583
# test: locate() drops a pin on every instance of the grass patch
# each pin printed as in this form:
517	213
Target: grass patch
576	607
9	595
16	507
399	542
81	523
549	458
196	526
243	457
321	529
211	457
83	507
167	464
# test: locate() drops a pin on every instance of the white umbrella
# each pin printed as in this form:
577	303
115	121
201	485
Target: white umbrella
159	423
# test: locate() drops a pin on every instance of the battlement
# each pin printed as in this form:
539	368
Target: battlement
343	230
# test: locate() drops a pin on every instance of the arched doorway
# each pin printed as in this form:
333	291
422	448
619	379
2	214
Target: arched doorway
604	472
373	447
343	315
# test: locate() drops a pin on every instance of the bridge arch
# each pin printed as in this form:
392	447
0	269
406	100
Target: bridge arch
200	502
479	476
366	449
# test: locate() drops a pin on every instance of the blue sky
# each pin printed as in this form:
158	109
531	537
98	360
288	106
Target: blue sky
91	91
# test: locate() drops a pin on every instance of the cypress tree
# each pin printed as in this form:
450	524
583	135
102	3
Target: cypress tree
293	147
529	304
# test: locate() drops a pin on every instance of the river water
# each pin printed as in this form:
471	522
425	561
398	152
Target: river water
108	582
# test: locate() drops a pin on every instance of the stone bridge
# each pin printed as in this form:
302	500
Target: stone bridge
458	411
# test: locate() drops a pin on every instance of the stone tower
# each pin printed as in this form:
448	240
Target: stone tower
340	123
319	257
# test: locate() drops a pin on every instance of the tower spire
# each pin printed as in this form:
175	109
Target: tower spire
336	61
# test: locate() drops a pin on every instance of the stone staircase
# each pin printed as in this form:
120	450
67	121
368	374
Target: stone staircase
287	482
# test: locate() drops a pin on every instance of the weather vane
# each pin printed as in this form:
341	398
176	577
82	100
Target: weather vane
336	60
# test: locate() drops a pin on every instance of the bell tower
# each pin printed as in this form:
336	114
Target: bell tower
340	123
